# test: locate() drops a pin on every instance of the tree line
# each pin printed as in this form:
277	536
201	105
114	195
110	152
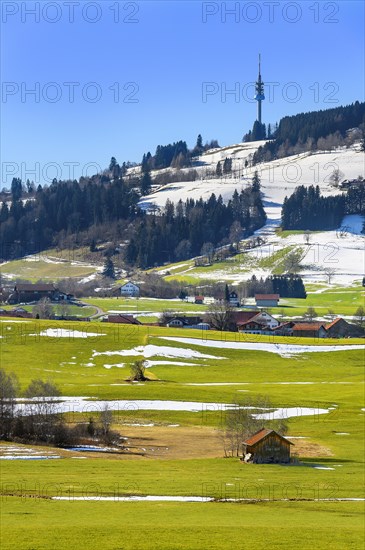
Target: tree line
307	209
320	130
37	420
175	155
195	227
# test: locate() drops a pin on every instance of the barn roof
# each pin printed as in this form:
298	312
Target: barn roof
39	287
124	319
267	296
261	434
308	326
334	322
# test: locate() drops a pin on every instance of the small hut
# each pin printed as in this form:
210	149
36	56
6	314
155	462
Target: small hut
267	447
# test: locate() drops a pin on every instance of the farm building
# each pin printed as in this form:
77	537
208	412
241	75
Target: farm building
199	299
129	289
310	329
122	319
267	447
28	292
267	300
339	328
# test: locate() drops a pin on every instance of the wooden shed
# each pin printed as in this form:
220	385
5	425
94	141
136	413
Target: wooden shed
267	447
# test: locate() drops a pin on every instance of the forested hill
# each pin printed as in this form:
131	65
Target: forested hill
317	124
69	214
316	130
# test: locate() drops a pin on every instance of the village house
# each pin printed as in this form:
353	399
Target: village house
27	292
267	447
257	322
199	300
130	290
184	322
267	300
233	299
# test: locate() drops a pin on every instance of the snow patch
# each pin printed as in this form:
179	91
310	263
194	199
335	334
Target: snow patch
285	350
159	351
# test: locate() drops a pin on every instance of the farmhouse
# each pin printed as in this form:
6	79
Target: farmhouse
257	322
183	322
233	299
33	292
267	300
129	289
199	299
267	447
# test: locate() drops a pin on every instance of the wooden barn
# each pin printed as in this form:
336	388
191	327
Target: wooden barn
267	447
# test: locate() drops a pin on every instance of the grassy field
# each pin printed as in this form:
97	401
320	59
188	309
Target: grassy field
44	525
51	264
78	311
318	380
340	300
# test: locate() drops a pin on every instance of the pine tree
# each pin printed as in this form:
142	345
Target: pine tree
256	182
108	270
112	163
218	170
93	245
226	293
146	183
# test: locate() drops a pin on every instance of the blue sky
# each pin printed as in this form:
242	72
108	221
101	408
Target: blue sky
118	78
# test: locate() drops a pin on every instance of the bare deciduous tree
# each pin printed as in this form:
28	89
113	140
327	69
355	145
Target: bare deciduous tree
41	419
359	316
138	369
235	234
329	272
307	237
311	313
43	309
292	261
219	315
336	177
242	420
8	391
208	251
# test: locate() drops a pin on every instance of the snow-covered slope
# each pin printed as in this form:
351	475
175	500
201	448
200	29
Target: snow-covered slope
341	250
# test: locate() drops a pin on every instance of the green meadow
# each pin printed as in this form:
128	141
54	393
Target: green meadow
45	525
287	504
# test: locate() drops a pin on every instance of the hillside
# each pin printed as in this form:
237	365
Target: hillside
343	251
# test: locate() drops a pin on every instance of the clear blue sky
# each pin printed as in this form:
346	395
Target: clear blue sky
171	62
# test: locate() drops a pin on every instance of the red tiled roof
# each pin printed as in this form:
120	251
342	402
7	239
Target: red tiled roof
261	434
267	296
308	326
199	297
